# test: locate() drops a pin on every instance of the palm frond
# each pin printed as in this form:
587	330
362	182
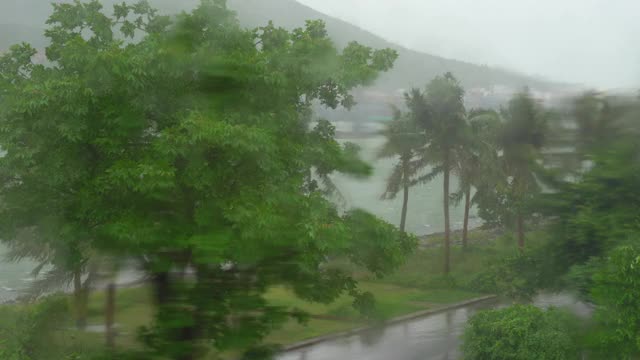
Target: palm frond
27	246
36	271
428	177
52	280
331	189
388	150
394	182
457	197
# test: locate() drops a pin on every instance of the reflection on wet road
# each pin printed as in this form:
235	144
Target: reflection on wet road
432	337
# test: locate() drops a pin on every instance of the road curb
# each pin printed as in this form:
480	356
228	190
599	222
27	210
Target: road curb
424	313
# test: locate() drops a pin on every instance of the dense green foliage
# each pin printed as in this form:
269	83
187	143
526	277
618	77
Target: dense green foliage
598	213
616	290
187	144
519	332
26	331
590	241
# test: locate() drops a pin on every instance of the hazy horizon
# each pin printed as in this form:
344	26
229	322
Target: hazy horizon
585	42
573	41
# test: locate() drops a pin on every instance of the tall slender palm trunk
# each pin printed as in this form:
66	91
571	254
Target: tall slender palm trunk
519	215
405	199
465	227
447	240
80	299
110	310
520	226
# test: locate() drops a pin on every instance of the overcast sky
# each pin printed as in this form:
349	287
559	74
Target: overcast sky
594	42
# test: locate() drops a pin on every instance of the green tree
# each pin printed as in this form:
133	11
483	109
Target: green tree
519	332
476	160
595	214
594	227
592	245
63	268
25	331
403	141
586	218
616	291
521	141
49	240
441	114
187	143
596	127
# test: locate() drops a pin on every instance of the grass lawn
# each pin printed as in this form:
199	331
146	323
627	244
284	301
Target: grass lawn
134	310
418	285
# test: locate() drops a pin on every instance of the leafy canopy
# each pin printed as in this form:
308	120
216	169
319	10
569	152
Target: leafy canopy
519	332
187	143
616	290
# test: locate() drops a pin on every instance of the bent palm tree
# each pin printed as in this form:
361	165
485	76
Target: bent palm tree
522	138
476	160
403	140
56	268
443	123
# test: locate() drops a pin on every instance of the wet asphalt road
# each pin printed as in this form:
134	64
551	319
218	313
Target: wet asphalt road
432	337
435	337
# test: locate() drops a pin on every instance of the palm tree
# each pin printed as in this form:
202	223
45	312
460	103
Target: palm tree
597	122
58	265
522	138
440	112
477	159
403	140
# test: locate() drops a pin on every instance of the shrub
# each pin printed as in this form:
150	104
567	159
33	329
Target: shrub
519	332
24	329
519	275
616	292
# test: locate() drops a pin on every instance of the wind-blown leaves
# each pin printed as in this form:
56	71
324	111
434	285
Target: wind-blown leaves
187	142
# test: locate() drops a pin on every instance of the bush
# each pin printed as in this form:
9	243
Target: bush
514	277
520	332
616	292
24	329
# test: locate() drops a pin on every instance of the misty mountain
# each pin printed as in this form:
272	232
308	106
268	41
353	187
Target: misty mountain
23	20
413	68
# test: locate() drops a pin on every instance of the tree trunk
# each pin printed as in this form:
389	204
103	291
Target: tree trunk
520	225
161	288
465	227
184	336
405	200
80	300
110	310
447	240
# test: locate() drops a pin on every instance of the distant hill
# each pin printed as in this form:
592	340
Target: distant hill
22	20
413	68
